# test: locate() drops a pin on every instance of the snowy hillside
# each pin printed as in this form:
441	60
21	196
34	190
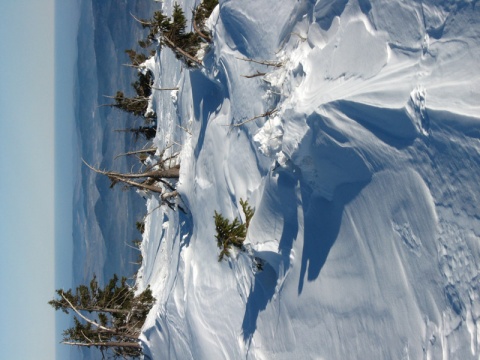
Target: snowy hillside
364	180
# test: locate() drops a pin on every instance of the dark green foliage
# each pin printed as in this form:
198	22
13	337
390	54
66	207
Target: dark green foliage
203	12
173	32
160	23
143	85
248	211
136	105
147	132
111	317
178	22
140	225
136	58
116	298
232	233
144	44
188	42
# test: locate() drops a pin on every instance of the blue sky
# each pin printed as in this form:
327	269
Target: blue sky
66	159
27	181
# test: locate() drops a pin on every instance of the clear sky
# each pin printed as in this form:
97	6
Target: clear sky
28	181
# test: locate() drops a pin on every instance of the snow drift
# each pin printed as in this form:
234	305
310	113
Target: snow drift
364	181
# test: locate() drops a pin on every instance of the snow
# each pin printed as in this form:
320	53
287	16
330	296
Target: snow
364	183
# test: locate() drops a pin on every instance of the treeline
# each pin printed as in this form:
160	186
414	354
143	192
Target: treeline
110	318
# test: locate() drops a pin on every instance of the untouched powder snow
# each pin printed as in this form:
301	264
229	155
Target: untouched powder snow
364	181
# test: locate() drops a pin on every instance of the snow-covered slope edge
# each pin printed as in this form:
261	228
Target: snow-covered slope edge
364	184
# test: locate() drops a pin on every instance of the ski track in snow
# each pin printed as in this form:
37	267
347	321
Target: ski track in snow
364	184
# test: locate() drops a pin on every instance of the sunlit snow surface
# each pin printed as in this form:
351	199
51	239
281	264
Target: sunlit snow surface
365	184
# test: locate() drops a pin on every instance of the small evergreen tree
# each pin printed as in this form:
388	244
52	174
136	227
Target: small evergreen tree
143	84
172	32
140	225
108	318
232	233
188	42
137	105
147	132
178	23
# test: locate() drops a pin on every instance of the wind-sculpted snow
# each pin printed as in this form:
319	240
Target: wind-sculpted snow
363	177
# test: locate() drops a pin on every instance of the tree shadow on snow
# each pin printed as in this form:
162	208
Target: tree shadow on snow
322	219
288	205
260	295
207	97
284	198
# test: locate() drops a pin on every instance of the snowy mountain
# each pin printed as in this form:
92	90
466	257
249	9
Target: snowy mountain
363	175
104	220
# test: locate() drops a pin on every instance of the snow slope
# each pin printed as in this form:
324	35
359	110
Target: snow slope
365	184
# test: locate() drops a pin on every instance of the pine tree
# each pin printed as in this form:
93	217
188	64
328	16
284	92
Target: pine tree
140	225
143	85
188	42
232	233
147	132
172	32
178	24
108	318
137	105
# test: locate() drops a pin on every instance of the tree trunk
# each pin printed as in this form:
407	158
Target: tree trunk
172	173
121	344
181	51
138	185
129	179
143	151
98	326
197	30
98	309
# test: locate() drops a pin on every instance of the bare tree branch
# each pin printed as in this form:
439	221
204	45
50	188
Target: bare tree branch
185	129
135	66
263	62
85	318
197	30
141	21
172	173
300	36
164	89
143	151
122	344
181	51
169	195
254	75
266	114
